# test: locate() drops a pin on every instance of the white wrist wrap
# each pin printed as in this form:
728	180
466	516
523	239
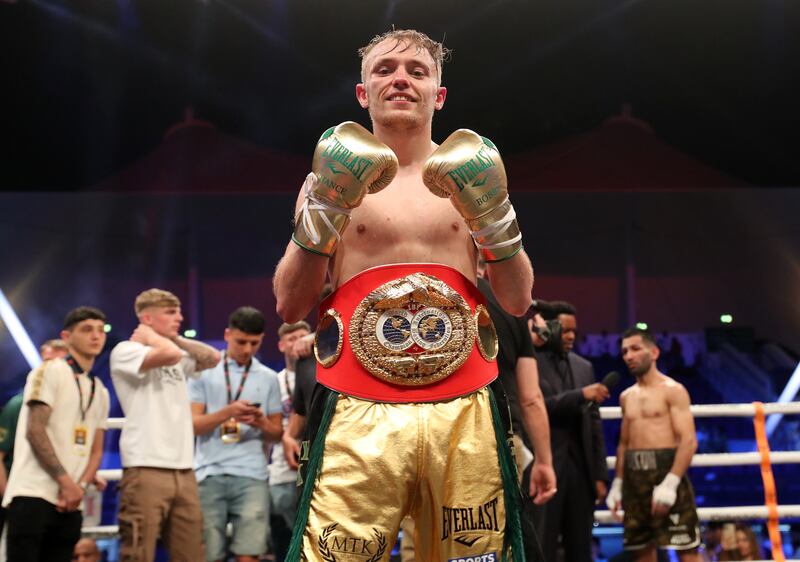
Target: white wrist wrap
666	492
313	206
614	497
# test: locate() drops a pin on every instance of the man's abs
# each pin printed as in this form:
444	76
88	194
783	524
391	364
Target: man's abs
651	433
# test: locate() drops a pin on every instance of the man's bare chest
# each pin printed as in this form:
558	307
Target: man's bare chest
394	220
647	406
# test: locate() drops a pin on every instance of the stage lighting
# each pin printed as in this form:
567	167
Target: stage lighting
17	331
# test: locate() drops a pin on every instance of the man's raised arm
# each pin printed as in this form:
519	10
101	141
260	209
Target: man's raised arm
482	200
331	191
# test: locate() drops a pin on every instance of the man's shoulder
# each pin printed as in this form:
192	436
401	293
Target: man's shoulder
49	372
125	347
579	361
263	370
127	344
632	389
57	365
100	386
673	388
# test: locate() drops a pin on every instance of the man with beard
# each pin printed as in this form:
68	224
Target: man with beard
655	449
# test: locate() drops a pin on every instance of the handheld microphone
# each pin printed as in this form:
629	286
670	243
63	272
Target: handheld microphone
611	380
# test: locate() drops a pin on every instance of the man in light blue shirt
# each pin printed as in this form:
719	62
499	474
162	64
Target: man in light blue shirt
235	406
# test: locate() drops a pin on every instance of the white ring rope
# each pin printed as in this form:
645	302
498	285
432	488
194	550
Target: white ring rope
698	411
737	513
604	516
734	459
720	410
712	459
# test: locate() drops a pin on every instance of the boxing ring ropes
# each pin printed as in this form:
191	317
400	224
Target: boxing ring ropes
770	512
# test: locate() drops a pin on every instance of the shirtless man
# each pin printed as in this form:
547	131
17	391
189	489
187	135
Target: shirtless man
654	452
392	400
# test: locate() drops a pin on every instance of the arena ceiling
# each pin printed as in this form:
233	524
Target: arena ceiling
90	87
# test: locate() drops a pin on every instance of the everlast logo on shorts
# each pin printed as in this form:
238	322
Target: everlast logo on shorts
469	519
335	546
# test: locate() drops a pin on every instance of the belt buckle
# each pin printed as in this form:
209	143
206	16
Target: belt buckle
412	331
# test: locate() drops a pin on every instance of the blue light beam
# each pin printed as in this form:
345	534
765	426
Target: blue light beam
788	394
18	332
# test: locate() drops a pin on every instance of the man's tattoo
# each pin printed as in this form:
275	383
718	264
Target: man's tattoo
38	417
203	354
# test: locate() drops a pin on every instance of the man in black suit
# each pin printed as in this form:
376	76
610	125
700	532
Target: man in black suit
579	452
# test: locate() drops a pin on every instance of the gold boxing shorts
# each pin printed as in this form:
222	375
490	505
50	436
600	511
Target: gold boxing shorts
404	422
437	462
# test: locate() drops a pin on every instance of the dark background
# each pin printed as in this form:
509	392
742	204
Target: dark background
91	86
646	140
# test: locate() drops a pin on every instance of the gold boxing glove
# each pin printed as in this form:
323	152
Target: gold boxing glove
467	168
349	162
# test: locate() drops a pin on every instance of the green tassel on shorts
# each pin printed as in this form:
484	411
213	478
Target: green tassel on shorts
513	547
314	465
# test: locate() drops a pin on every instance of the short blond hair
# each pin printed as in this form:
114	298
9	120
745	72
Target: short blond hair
289	328
60	345
155	297
407	37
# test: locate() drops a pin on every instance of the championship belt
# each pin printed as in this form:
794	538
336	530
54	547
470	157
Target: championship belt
406	333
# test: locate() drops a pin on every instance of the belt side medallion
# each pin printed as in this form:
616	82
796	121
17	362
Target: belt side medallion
412	331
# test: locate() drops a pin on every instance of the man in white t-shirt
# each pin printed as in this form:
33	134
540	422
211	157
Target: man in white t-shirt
158	492
282	477
64	417
236	406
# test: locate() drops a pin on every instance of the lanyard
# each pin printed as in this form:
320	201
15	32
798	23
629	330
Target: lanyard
231	398
76	370
286	383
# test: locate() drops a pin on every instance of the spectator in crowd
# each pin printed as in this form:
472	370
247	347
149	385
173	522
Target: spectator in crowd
711	548
728	548
518	372
86	551
282	477
576	435
747	544
51	349
64	415
305	382
158	491
235	407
